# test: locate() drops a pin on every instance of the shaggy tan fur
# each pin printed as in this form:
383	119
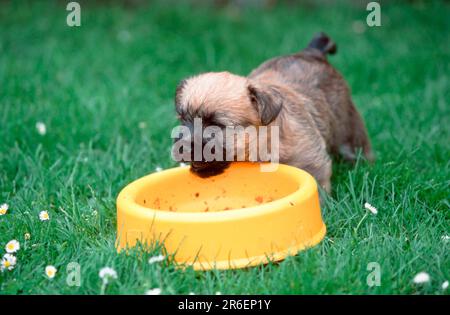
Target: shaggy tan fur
301	93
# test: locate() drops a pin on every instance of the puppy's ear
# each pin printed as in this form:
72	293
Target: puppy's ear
268	102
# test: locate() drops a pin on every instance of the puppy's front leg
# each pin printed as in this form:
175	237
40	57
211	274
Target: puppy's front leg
321	170
313	158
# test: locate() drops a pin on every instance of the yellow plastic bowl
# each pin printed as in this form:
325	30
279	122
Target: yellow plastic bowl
241	218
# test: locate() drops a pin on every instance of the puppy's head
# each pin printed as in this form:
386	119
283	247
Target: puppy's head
222	99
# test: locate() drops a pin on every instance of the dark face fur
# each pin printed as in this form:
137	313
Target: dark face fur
221	100
202	168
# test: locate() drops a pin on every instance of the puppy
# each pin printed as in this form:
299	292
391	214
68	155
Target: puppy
301	93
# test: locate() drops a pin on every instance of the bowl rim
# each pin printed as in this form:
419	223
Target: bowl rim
127	196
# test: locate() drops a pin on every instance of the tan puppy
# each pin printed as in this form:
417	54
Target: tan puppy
301	93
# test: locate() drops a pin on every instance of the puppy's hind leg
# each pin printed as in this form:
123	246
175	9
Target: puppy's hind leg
356	139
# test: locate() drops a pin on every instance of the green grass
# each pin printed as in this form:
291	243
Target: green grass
93	85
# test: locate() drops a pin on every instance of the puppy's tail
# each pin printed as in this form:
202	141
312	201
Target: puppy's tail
323	43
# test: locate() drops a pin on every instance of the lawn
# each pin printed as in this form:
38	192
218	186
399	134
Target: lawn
104	92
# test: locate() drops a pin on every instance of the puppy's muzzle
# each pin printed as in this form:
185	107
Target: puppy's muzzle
207	169
202	167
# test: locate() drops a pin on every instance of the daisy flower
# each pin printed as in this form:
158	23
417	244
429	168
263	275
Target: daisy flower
50	271
158	169
155	291
445	238
4	208
421	277
107	273
12	246
444	285
8	262
371	208
41	128
156	259
142	125
44	216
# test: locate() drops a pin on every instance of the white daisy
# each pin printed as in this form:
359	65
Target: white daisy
50	271
156	259
421	277
158	169
107	273
155	291
142	125
445	238
371	208
4	208
12	246
41	128
44	216
444	285
8	262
